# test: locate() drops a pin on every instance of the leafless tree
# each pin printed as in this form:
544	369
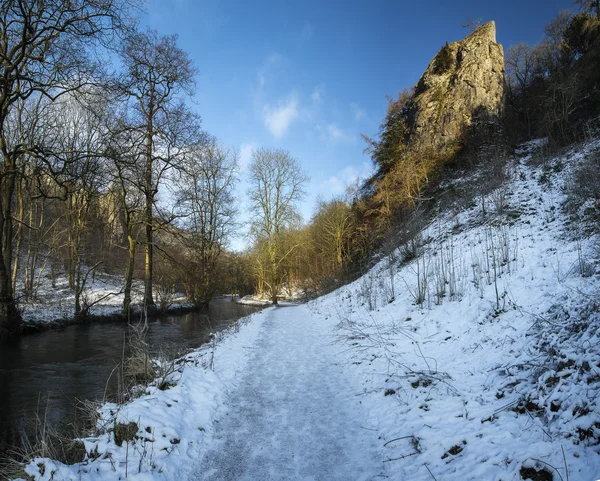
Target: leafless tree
124	196
205	198
472	24
45	51
333	225
522	65
277	186
80	120
158	76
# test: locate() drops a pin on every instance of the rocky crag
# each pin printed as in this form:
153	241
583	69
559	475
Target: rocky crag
465	79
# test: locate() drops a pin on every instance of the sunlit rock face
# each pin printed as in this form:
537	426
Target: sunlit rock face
466	78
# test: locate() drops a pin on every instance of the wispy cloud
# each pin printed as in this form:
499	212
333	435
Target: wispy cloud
246	154
306	33
278	118
338	184
357	112
317	94
273	61
336	134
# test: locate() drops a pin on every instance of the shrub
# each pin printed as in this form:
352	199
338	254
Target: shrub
443	61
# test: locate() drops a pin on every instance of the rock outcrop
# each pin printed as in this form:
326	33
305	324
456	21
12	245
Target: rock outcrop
466	78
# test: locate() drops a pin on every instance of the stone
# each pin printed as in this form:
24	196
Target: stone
464	79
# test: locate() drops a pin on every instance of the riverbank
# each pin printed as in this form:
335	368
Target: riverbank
251	300
53	306
48	375
173	416
107	316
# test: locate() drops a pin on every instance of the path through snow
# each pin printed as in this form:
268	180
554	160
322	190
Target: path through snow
295	414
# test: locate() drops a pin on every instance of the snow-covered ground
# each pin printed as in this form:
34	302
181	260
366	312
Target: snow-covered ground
485	379
57	303
294	413
253	301
478	360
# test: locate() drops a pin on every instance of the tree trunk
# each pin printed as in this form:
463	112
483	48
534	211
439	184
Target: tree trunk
149	305
9	316
28	272
274	295
148	297
77	271
129	275
19	236
274	283
71	241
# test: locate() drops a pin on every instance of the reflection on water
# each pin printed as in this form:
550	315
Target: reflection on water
52	369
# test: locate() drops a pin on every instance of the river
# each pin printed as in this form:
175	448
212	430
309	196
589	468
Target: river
48	372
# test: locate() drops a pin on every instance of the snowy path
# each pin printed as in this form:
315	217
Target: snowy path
294	414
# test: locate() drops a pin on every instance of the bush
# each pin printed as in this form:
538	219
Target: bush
585	182
443	61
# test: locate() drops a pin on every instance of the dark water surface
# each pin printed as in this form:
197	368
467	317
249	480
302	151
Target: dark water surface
48	371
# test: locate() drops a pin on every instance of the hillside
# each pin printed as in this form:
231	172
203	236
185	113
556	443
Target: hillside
479	358
497	370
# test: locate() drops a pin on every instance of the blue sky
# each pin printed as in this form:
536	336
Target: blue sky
311	76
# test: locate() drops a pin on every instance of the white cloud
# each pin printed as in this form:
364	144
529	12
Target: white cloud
317	94
272	63
338	183
306	33
358	113
261	79
246	154
279	118
335	133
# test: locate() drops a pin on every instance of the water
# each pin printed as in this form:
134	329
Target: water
47	372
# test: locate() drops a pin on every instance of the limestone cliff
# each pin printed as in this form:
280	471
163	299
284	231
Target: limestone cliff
464	78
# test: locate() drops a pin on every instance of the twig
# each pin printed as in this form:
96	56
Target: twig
398	439
547	464
543	430
369	429
401	457
565	461
426	467
506	406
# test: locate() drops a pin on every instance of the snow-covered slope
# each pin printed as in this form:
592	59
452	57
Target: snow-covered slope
496	373
479	359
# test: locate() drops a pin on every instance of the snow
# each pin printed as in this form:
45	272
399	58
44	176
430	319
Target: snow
498	369
54	304
486	377
253	301
280	423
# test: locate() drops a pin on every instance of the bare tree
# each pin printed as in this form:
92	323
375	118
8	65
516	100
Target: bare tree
472	24
158	75
80	119
124	196
205	198
333	225
44	48
277	186
522	65
130	202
